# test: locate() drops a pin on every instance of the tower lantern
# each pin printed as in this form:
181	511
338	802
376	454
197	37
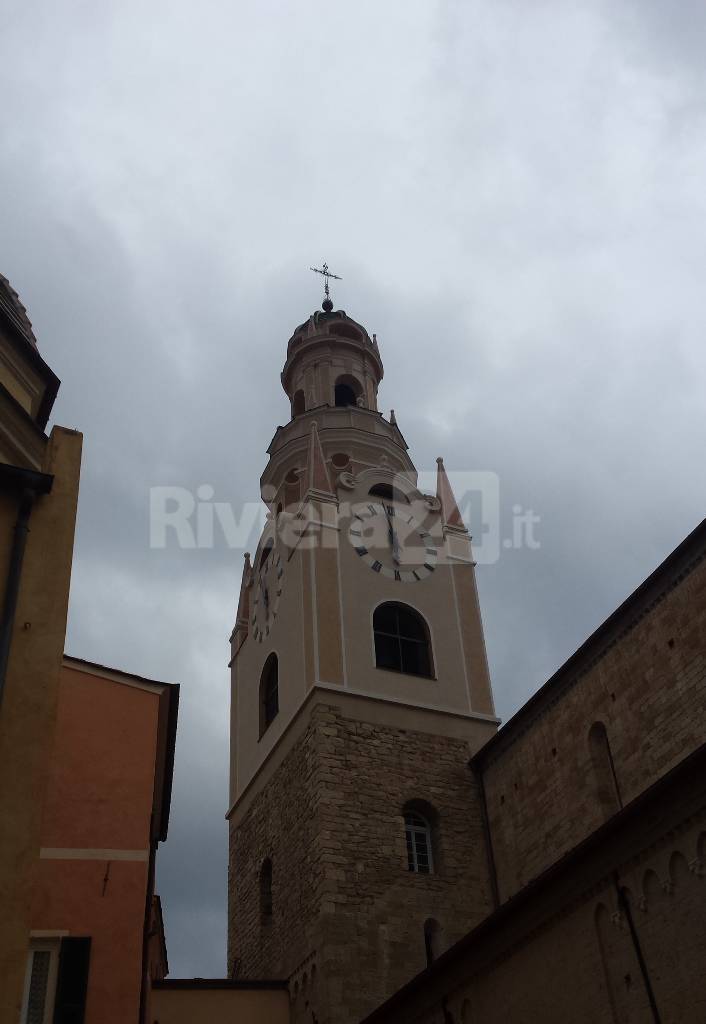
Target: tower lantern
331	361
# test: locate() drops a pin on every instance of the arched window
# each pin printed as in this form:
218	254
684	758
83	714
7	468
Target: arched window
292	488
345	331
432	930
347	391
388	493
269	693
266	891
401	640
298	403
417	831
605	781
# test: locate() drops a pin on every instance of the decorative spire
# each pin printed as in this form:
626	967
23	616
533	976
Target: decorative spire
393	418
327	304
242	619
318	480
450	514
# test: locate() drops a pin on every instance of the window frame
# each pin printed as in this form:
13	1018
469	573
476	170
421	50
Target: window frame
411	831
52	947
431	674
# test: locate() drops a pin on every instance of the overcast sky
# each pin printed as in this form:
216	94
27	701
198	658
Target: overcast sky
514	193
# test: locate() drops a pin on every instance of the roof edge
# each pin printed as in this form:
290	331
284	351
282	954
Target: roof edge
222	983
673	780
668	574
172	716
83	665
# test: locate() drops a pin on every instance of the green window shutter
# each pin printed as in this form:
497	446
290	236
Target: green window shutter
72	981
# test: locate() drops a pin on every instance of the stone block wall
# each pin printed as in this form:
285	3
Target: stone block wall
646	684
581	965
569	954
348	915
281	825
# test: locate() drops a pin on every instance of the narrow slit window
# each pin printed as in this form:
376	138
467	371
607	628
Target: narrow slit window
432	931
269	693
266	892
418	838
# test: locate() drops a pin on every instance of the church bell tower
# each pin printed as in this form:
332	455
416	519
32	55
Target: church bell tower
359	691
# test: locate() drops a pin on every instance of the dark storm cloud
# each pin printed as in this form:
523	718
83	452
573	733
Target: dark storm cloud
514	196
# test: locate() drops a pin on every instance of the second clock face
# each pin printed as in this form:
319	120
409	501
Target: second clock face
268	590
392	543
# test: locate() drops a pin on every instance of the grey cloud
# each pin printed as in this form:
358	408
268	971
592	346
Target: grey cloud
513	195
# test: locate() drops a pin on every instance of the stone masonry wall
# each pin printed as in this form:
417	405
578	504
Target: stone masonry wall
348	915
580	964
648	689
282	825
374	913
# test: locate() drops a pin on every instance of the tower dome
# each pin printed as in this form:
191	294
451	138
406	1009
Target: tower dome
12	307
331	361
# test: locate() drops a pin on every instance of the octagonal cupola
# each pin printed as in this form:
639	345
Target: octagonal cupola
331	362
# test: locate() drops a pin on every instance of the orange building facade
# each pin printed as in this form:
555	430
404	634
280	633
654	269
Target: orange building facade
96	937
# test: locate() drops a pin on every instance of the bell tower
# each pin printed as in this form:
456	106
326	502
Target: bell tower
359	690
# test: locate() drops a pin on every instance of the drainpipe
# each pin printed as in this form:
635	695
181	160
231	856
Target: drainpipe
31	484
492	869
146	926
624	905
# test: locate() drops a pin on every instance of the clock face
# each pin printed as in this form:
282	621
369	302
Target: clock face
268	590
392	543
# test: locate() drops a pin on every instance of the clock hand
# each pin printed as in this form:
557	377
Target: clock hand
392	537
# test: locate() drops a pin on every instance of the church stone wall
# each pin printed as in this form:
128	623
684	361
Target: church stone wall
569	953
545	790
582	967
348	915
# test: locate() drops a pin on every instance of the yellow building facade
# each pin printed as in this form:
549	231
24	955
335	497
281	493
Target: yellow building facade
39	481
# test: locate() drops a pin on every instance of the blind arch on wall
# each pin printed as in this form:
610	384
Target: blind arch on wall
604	778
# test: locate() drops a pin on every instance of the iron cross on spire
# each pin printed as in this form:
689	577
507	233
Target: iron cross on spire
327	303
